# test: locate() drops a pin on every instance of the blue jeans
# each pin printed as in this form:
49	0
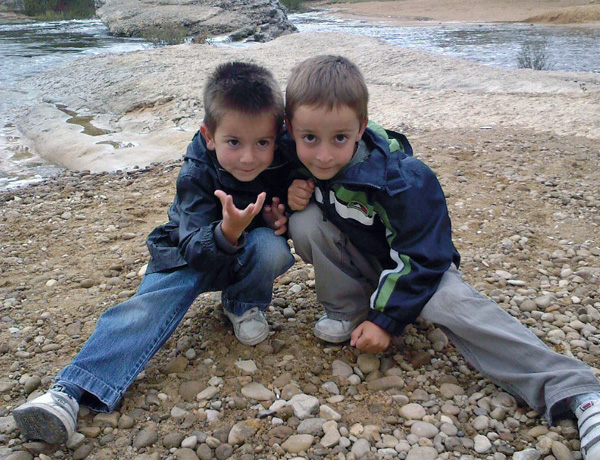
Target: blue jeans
129	334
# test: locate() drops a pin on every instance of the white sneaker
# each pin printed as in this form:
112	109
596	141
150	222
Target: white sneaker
51	417
336	330
251	328
588	421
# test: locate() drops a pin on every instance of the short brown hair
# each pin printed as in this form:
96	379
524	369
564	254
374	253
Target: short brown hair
329	81
241	86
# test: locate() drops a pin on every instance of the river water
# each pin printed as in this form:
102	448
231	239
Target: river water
31	48
28	49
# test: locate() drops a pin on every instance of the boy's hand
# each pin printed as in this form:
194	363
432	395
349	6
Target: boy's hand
299	194
236	220
370	337
274	216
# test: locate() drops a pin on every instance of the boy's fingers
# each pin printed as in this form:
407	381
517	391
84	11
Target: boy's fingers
220	194
356	334
260	200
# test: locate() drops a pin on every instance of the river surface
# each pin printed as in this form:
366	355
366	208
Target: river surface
31	48
28	49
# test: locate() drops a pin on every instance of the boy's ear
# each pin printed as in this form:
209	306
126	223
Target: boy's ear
208	137
363	127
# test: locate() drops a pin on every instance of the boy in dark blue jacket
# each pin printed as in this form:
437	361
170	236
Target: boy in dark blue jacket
378	234
219	237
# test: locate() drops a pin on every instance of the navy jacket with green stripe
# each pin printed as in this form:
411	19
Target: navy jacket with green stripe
392	207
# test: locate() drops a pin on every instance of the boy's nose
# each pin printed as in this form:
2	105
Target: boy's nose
323	155
247	156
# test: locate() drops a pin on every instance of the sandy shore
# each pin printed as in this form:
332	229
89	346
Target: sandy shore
471	11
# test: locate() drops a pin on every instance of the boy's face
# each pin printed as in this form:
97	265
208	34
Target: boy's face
325	138
244	143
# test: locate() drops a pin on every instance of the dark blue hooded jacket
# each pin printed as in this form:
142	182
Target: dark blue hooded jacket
391	206
189	236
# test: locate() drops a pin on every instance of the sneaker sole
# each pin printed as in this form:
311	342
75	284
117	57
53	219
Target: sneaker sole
38	424
254	341
332	338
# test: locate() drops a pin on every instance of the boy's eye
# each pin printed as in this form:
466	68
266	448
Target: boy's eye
340	138
233	142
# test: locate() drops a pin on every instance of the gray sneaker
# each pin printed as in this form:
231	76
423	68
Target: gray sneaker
336	330
51	417
251	328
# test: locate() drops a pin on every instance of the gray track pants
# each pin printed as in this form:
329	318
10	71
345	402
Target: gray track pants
495	343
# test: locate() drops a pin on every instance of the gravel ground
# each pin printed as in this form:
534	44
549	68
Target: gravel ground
525	210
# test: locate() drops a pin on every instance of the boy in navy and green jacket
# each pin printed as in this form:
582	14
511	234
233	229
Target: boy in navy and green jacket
374	223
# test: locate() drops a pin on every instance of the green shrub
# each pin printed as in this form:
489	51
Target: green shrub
169	34
292	5
534	56
60	9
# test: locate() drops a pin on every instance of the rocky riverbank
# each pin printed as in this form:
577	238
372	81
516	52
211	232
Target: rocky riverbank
258	20
525	214
517	155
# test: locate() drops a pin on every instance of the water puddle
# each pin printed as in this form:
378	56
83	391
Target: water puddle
117	145
84	122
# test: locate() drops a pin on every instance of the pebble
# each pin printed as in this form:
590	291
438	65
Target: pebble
303	405
527	454
243	431
298	443
258	392
341	369
422	453
424	430
360	448
145	438
367	363
386	383
185	454
413	411
482	444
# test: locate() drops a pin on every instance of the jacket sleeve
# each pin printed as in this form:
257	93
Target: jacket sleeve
418	231
200	214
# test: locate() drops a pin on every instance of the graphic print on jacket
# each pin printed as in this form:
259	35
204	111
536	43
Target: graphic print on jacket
355	205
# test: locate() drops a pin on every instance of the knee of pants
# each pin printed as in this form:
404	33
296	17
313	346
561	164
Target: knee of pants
272	251
305	229
452	296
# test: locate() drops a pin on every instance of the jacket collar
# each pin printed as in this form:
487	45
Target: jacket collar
379	168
